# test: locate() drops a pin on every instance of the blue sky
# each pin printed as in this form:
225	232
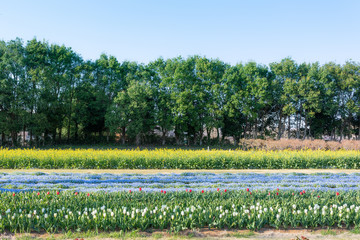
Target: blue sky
232	30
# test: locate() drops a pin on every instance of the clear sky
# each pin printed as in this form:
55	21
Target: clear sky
232	30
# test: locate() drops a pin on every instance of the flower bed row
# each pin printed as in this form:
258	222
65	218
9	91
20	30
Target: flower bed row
177	182
245	209
177	159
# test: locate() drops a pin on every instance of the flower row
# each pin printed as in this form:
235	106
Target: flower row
177	159
63	211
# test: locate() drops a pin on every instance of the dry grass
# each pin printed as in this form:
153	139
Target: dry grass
296	144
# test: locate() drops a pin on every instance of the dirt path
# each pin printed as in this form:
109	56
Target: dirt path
168	171
270	234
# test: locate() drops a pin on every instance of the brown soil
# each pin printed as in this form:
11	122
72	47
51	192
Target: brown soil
302	234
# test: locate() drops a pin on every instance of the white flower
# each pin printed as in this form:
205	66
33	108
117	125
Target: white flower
294	206
277	216
190	215
104	214
160	217
7	211
29	215
182	213
66	216
112	214
45	216
55	214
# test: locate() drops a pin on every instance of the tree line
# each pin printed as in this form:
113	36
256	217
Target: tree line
52	95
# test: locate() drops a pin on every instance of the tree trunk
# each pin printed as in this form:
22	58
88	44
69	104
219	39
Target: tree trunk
2	138
262	125
123	132
13	138
76	131
279	126
256	128
218	135
163	137
298	118
60	128
24	137
138	139
289	133
305	128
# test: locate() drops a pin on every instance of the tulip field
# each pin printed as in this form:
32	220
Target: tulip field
55	211
70	201
177	159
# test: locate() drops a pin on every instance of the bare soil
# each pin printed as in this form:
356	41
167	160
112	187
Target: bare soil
293	234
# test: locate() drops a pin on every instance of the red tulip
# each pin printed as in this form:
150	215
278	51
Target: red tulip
38	193
218	189
250	193
202	191
277	189
140	189
304	191
48	193
269	193
190	190
301	193
318	196
129	191
293	194
13	194
225	190
88	194
277	193
76	193
247	189
57	193
337	193
186	190
164	192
